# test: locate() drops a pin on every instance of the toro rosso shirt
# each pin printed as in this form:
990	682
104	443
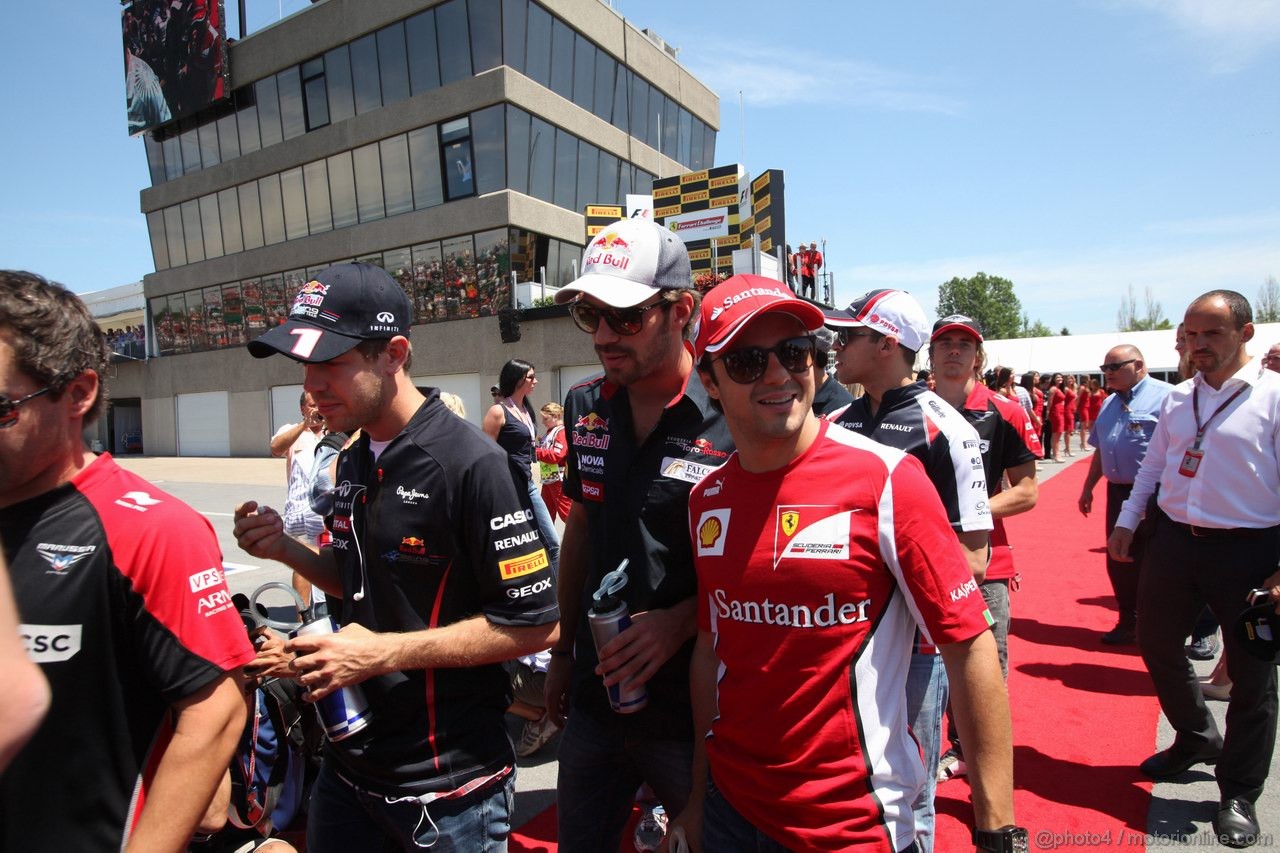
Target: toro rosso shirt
431	533
812	586
123	604
636	499
1009	439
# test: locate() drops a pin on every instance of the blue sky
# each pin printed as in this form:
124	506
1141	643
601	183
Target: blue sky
1077	147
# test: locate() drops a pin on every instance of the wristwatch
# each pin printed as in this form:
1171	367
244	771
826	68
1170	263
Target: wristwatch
1006	839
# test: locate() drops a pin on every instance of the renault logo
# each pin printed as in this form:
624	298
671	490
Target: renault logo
386	317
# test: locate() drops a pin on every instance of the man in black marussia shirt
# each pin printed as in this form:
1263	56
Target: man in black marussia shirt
441	572
640	436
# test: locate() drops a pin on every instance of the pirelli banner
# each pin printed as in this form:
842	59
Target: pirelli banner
702	207
600	215
767	217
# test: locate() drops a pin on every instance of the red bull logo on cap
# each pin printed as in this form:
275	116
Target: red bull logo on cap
609	250
609	240
310	296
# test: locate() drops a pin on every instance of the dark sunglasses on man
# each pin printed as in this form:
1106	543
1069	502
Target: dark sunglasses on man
623	321
9	408
1113	366
748	364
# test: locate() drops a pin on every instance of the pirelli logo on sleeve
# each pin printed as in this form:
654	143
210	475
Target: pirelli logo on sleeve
521	566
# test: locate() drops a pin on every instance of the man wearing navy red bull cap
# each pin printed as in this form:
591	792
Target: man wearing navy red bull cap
810	588
639	437
437	559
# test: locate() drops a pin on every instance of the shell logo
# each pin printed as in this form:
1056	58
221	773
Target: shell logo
709	532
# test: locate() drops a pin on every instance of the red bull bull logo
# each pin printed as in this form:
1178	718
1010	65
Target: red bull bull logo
591	430
610	240
310	295
314	286
609	250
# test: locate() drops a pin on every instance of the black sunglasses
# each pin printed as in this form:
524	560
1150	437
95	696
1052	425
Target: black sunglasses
843	336
9	408
623	321
1114	365
748	364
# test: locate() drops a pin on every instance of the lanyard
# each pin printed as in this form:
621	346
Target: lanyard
1195	408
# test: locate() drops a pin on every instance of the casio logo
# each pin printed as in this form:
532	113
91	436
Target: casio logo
517	517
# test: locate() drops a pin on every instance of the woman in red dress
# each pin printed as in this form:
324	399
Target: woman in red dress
1057	415
1089	410
1070	389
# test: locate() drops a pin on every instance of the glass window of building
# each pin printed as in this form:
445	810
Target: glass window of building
228	136
486	34
211	226
315	177
453	41
639	106
605	69
709	148
315	97
195	321
515	16
229	212
172	147
424	61
538	46
607	183
584	73
364	74
272	209
368	170
570	256
337	79
562	59
621	116
393	63
428	283
159	246
190	147
588	175
566	180
398	262
215	324
548	262
207	134
670	127
233	314
460	277
493	264
523	249
250	215
275	300
161	325
626	176
295	203
293	120
697	146
265	94
342	190
255	309
155	158
424	166
542	153
518	160
455	146
642	182
247	120
487	140
178	320
685	139
397	184
191	231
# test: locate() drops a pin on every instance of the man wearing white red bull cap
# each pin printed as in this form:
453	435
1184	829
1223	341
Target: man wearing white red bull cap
810	588
639	437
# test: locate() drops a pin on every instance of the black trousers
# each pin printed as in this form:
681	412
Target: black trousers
1182	574
1124	576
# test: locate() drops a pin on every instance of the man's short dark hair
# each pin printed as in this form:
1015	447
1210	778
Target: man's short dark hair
1241	311
53	335
375	347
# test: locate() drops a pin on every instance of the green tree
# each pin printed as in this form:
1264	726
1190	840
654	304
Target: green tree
1034	330
1130	319
1268	308
986	298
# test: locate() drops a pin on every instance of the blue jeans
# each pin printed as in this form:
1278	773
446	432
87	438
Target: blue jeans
600	770
546	526
996	595
927	693
343	819
724	829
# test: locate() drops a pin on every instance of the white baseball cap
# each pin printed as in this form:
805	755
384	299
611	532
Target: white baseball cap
628	262
890	312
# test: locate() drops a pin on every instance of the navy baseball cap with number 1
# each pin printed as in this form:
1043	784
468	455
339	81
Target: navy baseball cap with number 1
333	312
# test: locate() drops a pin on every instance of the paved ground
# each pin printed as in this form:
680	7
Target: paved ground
214	487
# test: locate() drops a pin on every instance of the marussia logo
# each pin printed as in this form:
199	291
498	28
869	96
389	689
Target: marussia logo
62	557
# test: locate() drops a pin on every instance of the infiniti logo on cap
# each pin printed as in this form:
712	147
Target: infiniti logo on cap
386	317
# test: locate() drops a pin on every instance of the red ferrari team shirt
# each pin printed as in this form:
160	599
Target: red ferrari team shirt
813	586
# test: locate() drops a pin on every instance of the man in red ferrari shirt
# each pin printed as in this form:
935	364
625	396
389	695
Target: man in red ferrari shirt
810	589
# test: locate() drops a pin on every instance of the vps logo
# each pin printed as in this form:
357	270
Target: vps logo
713	530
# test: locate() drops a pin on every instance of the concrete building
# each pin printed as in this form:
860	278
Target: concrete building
455	143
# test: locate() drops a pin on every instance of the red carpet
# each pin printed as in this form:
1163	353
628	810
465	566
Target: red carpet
1084	715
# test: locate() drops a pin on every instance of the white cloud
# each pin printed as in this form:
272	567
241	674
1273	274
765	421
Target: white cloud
1233	31
769	78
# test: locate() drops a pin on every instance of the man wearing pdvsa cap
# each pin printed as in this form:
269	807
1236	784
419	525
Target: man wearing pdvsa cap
878	337
810	589
442	576
639	437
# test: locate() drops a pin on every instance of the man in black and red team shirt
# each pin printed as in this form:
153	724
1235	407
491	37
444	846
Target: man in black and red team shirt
120	590
437	559
878	338
810	588
639	437
1010	448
